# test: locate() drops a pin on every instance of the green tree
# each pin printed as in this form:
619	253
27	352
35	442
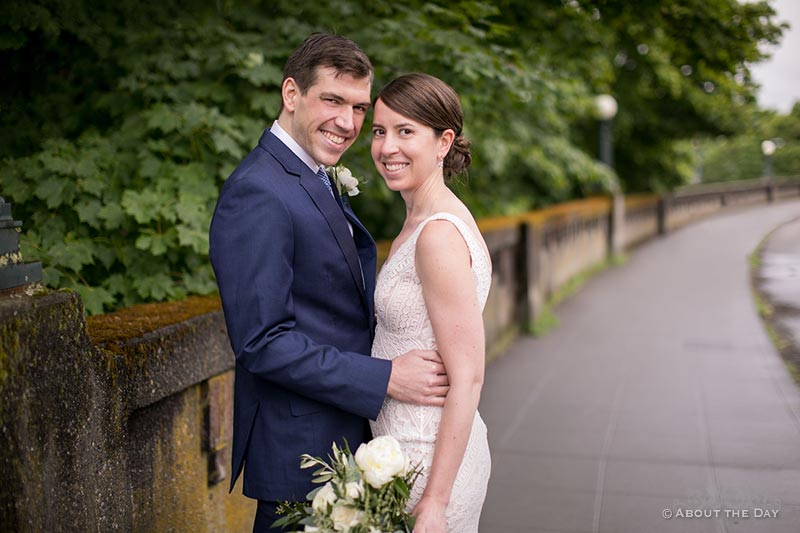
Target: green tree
124	118
739	157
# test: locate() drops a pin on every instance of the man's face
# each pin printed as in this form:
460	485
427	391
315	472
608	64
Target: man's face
327	119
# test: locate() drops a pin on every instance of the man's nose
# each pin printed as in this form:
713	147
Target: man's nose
344	119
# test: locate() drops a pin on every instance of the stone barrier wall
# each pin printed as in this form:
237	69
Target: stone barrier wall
123	421
127	433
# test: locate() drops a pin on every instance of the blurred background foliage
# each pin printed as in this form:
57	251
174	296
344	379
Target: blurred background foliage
119	121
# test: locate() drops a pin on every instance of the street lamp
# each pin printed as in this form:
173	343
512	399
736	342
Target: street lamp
768	148
14	273
606	109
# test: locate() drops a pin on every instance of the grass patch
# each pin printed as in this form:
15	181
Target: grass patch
544	323
763	307
766	311
547	320
754	259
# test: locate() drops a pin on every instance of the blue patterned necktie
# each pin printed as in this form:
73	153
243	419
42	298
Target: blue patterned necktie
321	174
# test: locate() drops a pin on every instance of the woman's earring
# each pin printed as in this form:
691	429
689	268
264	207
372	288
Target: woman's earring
441	163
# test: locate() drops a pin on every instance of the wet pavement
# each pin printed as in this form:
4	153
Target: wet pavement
779	282
659	404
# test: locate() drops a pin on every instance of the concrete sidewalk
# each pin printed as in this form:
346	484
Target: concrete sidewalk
659	394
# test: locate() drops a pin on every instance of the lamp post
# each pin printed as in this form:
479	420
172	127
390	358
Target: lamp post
14	272
606	109
768	148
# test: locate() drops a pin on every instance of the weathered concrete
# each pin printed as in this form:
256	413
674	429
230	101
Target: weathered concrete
659	390
134	438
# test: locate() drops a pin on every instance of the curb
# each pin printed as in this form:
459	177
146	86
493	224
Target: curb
775	277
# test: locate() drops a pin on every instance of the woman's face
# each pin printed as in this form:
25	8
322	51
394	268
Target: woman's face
406	153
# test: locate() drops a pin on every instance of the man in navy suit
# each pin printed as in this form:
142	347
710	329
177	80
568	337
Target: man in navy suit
296	273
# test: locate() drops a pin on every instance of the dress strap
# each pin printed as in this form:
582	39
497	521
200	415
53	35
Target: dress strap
475	250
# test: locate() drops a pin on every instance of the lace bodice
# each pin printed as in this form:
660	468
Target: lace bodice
403	324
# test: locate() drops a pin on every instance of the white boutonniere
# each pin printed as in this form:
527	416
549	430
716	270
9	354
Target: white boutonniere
344	180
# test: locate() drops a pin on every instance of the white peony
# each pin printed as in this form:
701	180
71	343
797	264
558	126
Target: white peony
324	497
380	460
354	489
344	517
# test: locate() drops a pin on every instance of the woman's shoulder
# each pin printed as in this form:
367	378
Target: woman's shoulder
445	232
451	231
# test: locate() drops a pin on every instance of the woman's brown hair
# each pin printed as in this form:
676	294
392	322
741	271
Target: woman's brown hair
430	101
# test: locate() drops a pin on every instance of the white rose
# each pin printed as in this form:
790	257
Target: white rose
354	489
349	183
345	181
380	460
344	517
313	529
324	497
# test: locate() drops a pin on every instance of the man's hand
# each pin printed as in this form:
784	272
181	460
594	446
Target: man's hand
418	377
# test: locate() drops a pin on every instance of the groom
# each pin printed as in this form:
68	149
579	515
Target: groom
296	273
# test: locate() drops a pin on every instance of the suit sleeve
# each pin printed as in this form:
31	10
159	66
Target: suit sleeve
251	249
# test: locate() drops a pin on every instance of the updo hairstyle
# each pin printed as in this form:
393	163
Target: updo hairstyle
430	101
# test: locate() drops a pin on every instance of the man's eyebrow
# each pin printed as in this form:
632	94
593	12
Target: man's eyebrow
332	96
339	99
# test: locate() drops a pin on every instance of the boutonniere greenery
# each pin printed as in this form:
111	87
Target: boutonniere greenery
344	180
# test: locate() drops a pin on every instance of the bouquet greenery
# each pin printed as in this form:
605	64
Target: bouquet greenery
362	493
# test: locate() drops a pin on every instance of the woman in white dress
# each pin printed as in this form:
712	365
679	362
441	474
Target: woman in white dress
430	294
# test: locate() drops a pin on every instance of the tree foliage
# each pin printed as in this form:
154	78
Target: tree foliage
124	118
739	157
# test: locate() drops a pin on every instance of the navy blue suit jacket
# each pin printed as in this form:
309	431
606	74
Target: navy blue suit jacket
299	317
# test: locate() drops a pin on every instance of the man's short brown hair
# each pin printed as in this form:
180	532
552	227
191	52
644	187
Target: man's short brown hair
326	50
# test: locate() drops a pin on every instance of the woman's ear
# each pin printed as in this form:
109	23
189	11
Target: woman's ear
446	141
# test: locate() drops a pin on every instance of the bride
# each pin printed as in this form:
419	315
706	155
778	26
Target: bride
430	294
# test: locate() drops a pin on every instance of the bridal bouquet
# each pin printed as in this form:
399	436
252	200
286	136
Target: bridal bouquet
362	493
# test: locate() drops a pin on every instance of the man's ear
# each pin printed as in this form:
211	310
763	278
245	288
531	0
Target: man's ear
290	92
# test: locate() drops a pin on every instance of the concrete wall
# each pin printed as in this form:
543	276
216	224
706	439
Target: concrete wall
125	423
122	436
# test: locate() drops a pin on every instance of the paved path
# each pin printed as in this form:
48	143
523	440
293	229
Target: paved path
659	390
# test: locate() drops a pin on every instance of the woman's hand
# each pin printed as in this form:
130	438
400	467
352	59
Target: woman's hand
430	516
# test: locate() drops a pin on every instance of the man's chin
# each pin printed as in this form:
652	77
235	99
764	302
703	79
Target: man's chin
332	158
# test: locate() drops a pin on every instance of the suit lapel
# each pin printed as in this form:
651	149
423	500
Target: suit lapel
333	212
366	252
335	218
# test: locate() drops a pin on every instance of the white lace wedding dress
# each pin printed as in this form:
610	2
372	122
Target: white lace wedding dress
403	325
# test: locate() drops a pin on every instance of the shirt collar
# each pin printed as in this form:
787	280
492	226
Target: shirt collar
292	145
